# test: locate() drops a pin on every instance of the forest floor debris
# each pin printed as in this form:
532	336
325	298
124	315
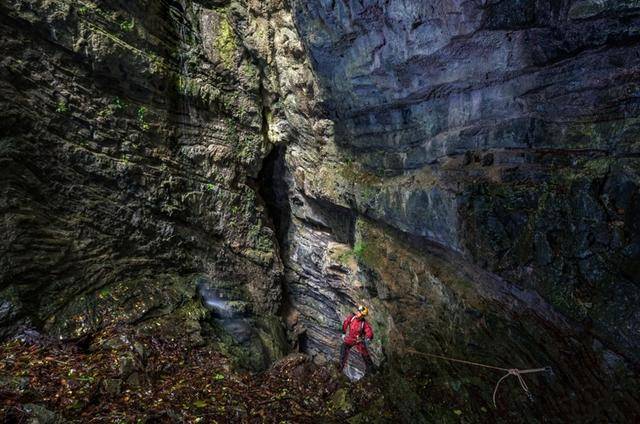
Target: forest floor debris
117	375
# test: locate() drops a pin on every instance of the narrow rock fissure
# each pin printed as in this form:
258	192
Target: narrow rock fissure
273	189
317	215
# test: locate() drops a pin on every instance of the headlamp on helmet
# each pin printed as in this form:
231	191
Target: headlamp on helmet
363	310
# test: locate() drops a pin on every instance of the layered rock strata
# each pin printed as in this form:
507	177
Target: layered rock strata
132	133
469	169
475	179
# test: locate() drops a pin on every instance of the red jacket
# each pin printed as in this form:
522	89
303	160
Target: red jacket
355	328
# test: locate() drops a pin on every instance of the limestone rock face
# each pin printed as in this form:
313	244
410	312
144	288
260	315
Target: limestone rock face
474	178
468	169
131	136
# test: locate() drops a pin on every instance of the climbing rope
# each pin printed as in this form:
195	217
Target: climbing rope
509	371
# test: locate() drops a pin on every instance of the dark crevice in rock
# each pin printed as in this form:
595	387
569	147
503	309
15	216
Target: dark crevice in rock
273	189
318	215
338	220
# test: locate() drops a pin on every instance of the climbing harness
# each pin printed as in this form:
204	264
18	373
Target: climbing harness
509	371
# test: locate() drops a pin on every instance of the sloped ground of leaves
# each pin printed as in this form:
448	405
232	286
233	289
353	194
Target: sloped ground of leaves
118	376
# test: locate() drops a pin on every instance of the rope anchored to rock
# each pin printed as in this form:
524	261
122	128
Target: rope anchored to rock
509	371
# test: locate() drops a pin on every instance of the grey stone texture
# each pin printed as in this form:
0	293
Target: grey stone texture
468	169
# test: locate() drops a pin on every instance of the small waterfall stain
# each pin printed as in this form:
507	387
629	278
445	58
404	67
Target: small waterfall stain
227	313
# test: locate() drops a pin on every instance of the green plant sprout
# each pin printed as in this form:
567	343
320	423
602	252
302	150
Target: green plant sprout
142	112
118	104
358	249
127	26
62	106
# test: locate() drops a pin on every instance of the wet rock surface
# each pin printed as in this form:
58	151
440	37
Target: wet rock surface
255	340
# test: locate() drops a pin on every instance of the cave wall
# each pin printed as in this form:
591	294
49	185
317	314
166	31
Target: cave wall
132	134
485	156
469	169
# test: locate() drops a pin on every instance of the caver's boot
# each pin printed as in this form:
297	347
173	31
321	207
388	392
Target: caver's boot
370	366
344	355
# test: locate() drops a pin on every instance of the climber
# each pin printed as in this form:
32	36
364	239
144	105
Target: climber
356	331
